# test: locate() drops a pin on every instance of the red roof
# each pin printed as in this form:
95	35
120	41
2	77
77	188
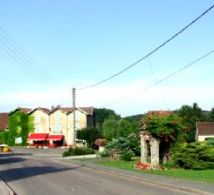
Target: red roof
55	137
38	136
160	113
205	128
3	121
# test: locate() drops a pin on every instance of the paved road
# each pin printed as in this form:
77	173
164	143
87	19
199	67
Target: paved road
30	174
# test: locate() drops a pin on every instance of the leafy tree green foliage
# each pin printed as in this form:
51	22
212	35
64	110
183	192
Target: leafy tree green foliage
4	137
110	129
194	156
165	127
125	127
20	125
134	118
89	134
211	115
118	128
190	115
101	114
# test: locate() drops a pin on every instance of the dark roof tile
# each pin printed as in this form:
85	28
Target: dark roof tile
3	121
205	128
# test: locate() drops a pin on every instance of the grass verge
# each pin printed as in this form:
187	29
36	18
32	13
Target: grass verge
195	175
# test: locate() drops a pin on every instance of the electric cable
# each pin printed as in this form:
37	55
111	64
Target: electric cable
151	52
164	78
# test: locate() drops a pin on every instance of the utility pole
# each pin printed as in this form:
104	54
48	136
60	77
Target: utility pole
74	114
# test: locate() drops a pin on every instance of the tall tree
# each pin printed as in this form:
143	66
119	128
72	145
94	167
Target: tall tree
89	134
190	115
110	129
124	128
101	114
211	115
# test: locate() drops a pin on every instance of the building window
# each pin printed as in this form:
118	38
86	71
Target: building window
57	128
37	129
58	117
37	119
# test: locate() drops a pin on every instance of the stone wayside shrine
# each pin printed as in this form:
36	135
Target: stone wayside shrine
149	148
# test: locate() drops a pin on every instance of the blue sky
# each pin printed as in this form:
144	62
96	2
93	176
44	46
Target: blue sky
57	45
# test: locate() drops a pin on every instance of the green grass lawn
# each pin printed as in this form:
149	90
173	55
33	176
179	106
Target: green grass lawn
196	175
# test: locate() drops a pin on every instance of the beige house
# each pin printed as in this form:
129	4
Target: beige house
204	130
61	121
41	120
55	127
58	123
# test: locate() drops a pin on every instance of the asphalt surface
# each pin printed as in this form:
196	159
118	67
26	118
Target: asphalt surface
45	173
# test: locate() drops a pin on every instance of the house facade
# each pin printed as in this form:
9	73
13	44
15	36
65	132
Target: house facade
55	127
41	120
204	130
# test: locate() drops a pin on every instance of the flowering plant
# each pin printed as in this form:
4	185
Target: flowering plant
100	142
140	165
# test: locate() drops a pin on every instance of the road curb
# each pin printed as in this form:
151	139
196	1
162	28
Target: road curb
125	174
7	187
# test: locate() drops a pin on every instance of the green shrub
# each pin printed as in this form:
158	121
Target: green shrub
196	156
128	147
126	155
210	141
4	137
104	154
78	151
66	153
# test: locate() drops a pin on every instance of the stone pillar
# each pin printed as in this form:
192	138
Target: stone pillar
155	152
144	148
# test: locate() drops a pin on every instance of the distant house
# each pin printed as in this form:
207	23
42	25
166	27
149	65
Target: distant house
53	127
204	130
61	121
41	119
3	121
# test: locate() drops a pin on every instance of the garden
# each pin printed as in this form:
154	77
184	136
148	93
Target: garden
118	141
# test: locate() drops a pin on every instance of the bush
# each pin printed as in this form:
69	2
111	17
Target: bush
210	141
196	156
4	137
78	151
126	155
127	147
104	154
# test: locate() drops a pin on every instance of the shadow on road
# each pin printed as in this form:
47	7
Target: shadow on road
15	154
11	160
25	172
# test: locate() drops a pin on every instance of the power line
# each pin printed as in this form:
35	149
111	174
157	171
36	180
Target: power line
163	79
151	52
157	87
21	58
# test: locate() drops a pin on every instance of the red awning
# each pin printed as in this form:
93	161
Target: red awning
38	136
55	137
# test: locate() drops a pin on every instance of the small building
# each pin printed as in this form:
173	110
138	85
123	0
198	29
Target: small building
204	130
